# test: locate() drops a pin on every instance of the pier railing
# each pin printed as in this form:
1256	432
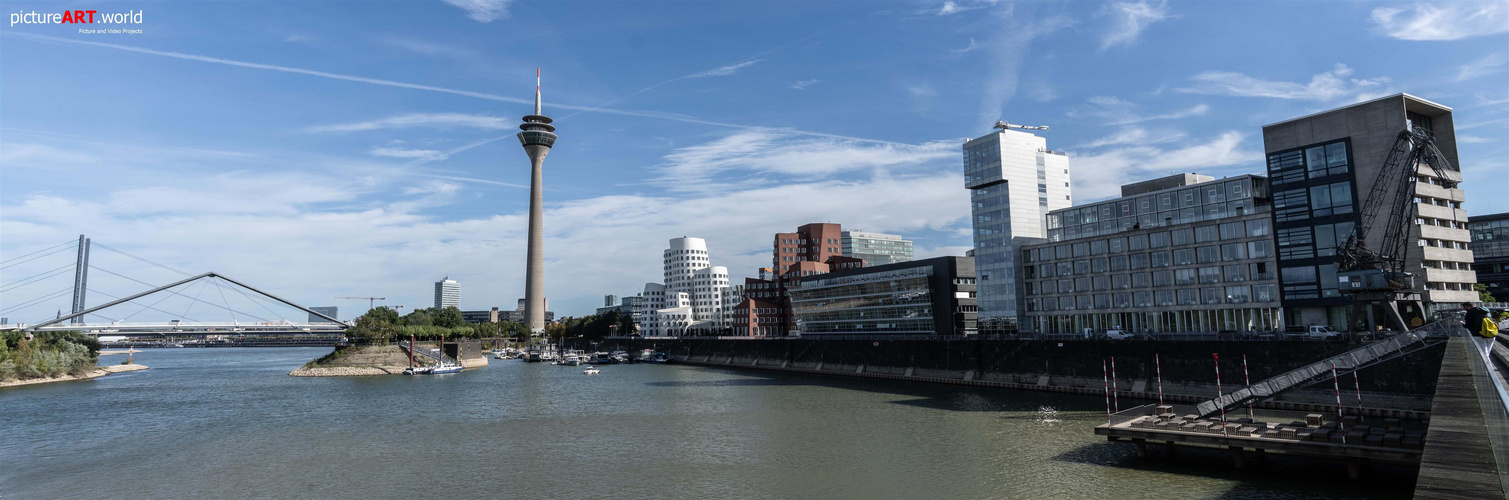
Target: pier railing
1493	397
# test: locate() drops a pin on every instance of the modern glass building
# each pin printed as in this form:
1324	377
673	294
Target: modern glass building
924	297
1322	168
1184	253
1013	180
1490	249
876	249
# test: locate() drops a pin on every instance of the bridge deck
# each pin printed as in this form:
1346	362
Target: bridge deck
1458	461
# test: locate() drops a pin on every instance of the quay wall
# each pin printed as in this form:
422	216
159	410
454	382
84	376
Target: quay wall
1187	366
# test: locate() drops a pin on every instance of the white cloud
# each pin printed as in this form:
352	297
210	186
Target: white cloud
408	154
757	158
1004	55
951	7
724	70
1132	135
802	85
483	11
1491	64
1445	21
1129	20
1118	112
1325	86
1103	173
1472	139
435	120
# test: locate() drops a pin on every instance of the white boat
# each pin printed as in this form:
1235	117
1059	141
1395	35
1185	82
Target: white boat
419	370
591	370
447	368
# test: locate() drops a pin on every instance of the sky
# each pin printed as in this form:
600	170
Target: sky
331	149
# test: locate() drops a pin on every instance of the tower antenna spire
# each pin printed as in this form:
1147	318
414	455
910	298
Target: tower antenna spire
537	91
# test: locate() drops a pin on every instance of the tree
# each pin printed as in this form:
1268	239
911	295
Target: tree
418	318
1483	295
450	317
384	314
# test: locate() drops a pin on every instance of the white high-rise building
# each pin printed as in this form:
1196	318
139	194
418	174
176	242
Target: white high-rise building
447	293
876	249
693	296
1013	180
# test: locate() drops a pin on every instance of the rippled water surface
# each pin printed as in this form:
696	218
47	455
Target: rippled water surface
230	423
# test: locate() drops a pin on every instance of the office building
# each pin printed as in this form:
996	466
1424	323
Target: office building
1321	167
765	310
1185	253
1490	251
489	316
610	300
1013	180
926	297
447	293
690	300
813	242
876	249
331	311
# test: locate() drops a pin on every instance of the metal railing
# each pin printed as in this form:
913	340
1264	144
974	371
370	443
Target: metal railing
1494	400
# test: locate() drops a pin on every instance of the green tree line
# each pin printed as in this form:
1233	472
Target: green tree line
47	354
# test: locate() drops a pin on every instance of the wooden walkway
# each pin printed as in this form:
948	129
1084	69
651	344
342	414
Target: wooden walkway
1458	460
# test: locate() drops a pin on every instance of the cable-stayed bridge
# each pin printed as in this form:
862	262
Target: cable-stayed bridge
193	304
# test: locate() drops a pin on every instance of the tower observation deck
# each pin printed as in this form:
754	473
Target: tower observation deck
537	136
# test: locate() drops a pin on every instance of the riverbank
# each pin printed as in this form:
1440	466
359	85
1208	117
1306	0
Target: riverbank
96	373
358	361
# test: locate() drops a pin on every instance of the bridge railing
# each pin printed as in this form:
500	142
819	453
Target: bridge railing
1493	397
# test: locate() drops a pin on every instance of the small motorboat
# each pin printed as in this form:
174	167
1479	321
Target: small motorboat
447	368
591	370
419	370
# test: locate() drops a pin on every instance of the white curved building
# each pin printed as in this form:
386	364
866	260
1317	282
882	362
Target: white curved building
692	297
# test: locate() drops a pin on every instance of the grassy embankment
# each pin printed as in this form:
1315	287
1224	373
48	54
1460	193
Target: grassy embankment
47	355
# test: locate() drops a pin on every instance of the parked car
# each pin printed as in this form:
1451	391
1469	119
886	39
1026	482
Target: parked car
1119	334
1321	332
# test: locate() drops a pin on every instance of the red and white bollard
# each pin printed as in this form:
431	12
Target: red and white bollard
1248	377
1115	391
1340	424
1105	378
1158	369
1358	385
1220	396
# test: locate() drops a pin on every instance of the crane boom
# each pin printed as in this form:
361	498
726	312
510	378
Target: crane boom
371	301
1008	126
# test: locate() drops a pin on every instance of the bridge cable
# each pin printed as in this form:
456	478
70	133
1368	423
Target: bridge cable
144	308
202	285
17	283
32	259
254	301
143	259
39	300
69	242
170	291
216	281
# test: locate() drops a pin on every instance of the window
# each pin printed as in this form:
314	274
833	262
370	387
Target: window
1098	265
1304	274
1159	259
1049	287
1118	245
1259	249
1098	247
1184	277
1139	261
1102	301
1122	299
1081	249
1045	270
1184	256
1188	296
1065	286
1101	283
1205	234
1329	237
1264	293
1206	255
1121	281
1081	267
1061	252
1182	236
1082	284
1235	272
1236	294
1065	268
1211	295
1233	251
1163	278
1158	239
1232	230
1138	242
1142	299
1140	280
1066	303
1296	243
1119	263
1258	227
1210	274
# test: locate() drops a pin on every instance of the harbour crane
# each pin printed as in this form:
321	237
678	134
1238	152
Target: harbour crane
1008	126
371	301
1377	275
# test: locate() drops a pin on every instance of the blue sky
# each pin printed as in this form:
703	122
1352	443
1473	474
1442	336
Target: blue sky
366	148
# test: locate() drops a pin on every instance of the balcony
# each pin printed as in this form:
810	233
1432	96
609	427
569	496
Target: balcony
1447	254
1434	191
1450	276
1445	233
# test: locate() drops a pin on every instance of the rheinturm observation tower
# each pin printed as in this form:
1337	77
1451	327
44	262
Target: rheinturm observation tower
537	135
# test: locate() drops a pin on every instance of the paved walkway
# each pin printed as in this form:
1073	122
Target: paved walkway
1458	461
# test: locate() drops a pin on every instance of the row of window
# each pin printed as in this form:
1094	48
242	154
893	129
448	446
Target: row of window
1160	298
1230	273
1156	239
1255	249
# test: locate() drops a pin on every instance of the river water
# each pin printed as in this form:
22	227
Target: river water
218	423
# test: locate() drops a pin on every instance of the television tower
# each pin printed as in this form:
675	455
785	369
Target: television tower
537	135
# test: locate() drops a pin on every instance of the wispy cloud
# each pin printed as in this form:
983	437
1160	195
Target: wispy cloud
1488	65
1004	55
407	154
1326	86
951	7
755	158
1444	21
1132	135
802	85
725	70
1128	20
1472	139
1119	112
973	45
434	120
483	11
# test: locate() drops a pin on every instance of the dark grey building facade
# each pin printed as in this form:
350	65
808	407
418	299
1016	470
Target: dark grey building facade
924	297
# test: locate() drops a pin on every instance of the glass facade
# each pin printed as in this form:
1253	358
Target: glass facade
876	249
1314	210
1490	250
1200	202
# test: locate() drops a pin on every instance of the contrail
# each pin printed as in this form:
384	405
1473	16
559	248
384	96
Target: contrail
432	88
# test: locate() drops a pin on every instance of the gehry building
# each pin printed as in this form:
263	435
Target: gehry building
692	298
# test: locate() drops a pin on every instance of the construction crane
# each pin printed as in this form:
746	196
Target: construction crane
1008	126
1378	275
370	300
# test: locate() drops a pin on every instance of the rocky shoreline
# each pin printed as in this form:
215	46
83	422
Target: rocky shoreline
93	374
346	371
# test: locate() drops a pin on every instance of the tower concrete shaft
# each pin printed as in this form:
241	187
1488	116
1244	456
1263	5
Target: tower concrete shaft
537	136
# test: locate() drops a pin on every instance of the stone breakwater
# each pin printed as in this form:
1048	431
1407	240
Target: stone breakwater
96	373
346	371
